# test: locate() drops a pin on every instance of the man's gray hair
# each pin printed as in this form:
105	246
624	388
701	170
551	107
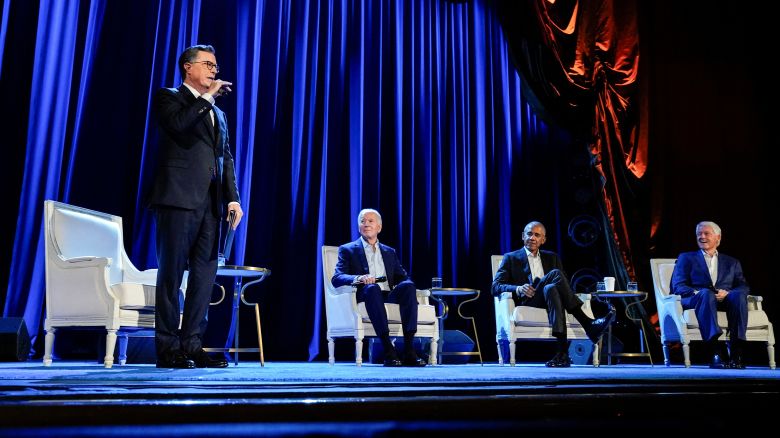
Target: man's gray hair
715	227
363	212
534	224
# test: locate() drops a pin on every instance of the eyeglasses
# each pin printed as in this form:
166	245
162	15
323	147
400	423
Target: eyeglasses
209	65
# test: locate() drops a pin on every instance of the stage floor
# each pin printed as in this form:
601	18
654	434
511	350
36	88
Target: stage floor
280	399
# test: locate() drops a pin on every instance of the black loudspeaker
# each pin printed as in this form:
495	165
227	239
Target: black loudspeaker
14	340
580	352
455	341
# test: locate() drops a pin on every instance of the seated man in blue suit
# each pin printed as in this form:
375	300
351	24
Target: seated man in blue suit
365	263
530	270
707	281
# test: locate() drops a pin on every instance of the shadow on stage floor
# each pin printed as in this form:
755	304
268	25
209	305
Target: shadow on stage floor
281	399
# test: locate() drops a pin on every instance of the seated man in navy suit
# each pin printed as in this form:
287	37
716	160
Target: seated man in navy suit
530	270
708	281
365	262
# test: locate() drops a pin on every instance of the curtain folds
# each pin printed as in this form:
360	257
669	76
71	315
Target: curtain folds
580	62
413	108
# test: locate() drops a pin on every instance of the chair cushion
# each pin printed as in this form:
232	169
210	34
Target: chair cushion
135	296
756	319
426	314
536	317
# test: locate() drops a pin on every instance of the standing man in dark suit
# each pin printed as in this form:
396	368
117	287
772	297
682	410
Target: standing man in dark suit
530	270
706	281
363	262
195	178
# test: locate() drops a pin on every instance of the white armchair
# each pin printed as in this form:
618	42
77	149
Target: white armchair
678	325
90	281
531	323
348	318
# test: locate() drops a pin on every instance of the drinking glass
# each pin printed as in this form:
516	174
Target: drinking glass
632	287
436	283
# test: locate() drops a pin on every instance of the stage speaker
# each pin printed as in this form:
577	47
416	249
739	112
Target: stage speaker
580	352
455	341
14	340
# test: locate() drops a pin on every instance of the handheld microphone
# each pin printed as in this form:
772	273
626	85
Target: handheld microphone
381	279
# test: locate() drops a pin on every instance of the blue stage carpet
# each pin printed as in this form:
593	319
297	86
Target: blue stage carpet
296	399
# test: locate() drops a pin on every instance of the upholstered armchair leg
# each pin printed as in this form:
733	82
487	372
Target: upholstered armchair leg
665	346
770	349
358	351
596	354
433	351
500	356
331	351
686	346
122	338
512	353
48	345
108	361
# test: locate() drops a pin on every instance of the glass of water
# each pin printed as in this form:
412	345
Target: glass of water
632	287
436	283
601	286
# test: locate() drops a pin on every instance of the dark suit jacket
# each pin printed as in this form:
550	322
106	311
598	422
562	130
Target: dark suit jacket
191	152
352	263
691	273
515	271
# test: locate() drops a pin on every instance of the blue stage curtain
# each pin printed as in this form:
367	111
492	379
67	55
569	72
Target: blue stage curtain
412	107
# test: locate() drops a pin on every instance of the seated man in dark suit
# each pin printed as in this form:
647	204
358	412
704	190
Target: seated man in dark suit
528	270
707	281
364	263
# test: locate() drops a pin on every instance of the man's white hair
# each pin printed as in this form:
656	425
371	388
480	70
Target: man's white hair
715	227
363	213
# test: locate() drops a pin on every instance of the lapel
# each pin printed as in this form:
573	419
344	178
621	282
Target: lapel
361	255
701	265
207	129
527	266
219	125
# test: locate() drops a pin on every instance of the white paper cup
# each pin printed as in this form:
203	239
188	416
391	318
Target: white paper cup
609	283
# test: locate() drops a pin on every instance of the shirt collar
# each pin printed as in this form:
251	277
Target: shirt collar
192	89
530	254
367	245
707	255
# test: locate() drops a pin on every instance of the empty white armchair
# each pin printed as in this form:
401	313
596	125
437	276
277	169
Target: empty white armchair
531	323
90	281
678	325
348	318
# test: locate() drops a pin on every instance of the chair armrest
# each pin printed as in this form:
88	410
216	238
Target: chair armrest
754	302
148	277
81	262
423	296
505	308
584	296
341	290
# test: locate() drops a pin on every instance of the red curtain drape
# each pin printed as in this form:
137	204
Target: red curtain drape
579	61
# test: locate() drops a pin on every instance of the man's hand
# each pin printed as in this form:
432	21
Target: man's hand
720	294
527	290
366	279
235	207
219	88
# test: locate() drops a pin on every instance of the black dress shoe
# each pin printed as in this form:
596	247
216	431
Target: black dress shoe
717	363
175	359
392	361
411	360
203	360
560	360
597	327
737	364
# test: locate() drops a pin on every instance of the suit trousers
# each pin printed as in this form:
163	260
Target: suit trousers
404	294
557	297
706	307
186	239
